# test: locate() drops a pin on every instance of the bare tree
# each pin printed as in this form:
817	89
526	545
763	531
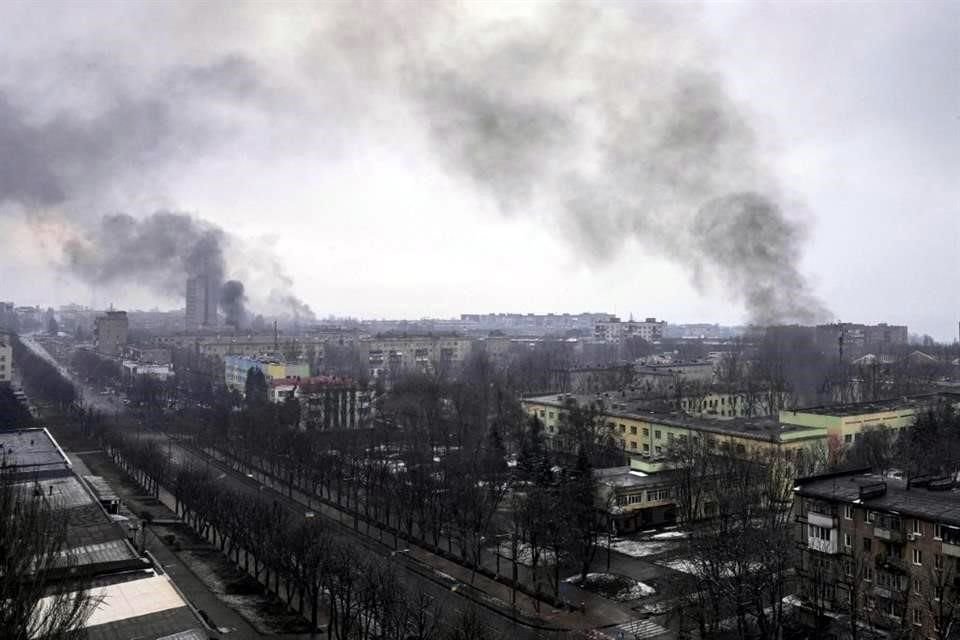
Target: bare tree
33	546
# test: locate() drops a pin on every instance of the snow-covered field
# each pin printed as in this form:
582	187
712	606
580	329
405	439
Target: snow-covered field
613	586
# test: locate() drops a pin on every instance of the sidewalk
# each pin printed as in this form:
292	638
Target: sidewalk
230	624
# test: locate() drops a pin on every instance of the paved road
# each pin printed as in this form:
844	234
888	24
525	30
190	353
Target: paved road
414	577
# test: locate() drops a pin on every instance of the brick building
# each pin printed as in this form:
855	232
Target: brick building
880	553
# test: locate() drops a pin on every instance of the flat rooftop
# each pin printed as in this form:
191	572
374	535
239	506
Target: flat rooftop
941	505
624	477
32	451
911	403
762	428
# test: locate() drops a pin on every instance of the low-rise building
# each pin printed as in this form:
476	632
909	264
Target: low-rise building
879	552
273	367
132	369
646	436
633	500
843	423
326	402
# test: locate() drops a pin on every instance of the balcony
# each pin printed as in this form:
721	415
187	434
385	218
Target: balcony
951	549
891	563
887	533
821	520
823	546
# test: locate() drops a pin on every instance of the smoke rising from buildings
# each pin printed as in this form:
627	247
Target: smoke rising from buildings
608	124
232	302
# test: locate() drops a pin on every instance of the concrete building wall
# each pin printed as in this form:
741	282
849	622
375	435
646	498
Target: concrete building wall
110	333
391	354
6	360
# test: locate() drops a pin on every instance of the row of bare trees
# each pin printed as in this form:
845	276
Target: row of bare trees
315	569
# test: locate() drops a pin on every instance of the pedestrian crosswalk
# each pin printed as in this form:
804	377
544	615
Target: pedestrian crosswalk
635	630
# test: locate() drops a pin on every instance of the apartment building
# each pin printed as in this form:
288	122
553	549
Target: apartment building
392	354
614	329
251	345
6	359
879	552
110	333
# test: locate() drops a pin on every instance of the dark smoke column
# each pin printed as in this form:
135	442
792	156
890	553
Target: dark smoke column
232	301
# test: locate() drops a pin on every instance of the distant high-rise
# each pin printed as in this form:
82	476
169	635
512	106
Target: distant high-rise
203	293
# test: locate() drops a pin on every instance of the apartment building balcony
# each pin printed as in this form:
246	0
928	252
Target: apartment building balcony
893	564
888	528
823	545
951	549
824	520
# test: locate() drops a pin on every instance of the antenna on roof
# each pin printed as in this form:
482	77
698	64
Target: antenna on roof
276	337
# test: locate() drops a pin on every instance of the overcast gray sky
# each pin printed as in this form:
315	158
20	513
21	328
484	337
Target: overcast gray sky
407	160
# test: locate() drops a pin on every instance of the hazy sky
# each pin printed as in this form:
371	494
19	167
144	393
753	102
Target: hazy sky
414	159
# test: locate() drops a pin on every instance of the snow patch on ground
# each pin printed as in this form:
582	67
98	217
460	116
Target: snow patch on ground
637	548
688	566
612	586
671	535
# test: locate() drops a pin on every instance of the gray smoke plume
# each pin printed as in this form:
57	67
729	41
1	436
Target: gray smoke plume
608	122
232	302
617	124
290	304
159	251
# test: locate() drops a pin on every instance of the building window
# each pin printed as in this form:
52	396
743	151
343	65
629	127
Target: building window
917	617
633	430
847	542
633	444
848	511
871	516
917	557
938	562
848	567
646	447
821	533
656	434
848	438
623	429
917	586
658	495
918	527
659	450
867	544
868	573
551	415
937	531
646	432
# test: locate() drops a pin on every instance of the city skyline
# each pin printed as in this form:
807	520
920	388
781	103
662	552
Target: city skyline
360	216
